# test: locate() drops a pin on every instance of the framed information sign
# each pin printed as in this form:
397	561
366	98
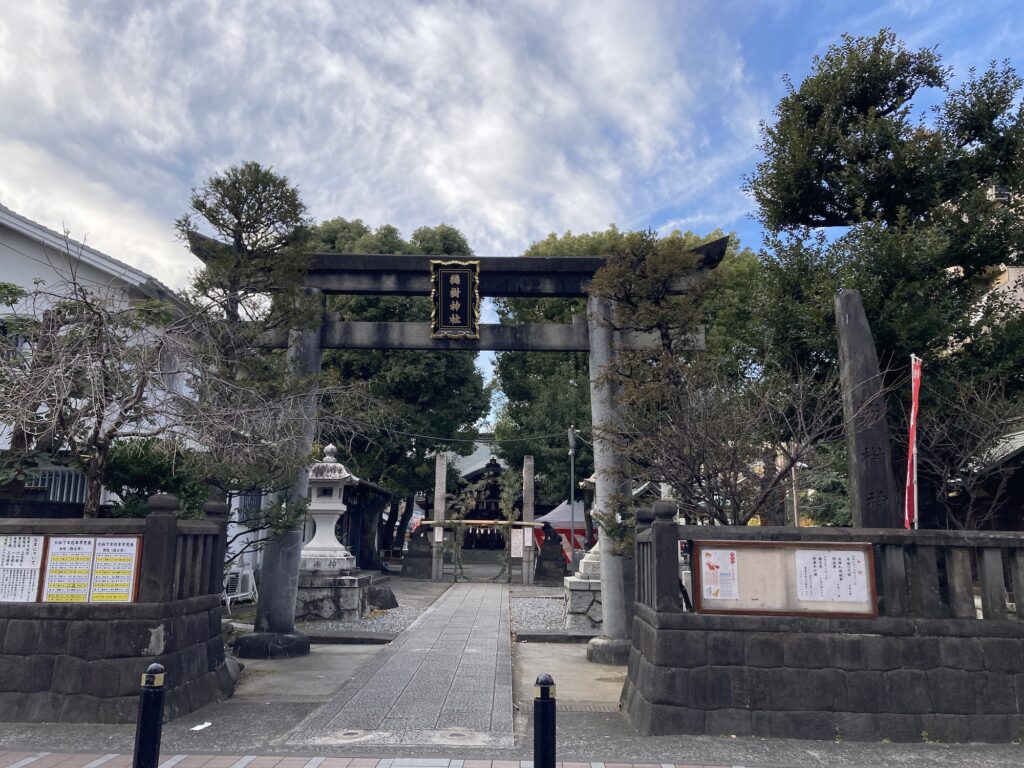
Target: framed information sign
516	545
115	568
784	578
455	299
68	569
21	557
91	569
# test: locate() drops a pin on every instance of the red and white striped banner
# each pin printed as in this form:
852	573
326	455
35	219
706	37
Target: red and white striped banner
910	507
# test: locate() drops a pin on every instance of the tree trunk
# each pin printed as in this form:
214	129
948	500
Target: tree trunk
387	527
403	523
94	483
773	511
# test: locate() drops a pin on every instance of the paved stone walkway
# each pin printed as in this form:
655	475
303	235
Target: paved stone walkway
68	760
445	680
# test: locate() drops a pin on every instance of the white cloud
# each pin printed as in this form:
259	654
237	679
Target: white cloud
38	186
505	120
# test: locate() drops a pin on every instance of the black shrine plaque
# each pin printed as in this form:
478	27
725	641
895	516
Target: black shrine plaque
455	299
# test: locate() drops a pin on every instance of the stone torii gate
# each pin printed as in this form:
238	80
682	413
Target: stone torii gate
455	329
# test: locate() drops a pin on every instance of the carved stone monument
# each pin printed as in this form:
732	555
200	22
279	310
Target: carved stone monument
873	498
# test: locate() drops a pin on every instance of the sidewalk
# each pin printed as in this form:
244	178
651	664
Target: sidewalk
451	686
66	760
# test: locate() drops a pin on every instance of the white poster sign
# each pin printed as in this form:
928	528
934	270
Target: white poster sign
517	542
20	559
718	574
438	534
831	576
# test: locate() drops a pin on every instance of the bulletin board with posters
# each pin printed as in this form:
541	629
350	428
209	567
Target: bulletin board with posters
69	568
784	578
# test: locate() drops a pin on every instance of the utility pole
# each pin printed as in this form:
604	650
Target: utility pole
572	497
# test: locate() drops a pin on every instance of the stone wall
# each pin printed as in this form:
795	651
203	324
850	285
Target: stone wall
82	663
902	679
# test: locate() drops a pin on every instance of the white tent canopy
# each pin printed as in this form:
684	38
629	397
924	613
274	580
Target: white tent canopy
563	514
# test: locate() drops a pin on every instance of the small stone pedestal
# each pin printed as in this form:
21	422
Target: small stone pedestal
583	596
418	559
326	596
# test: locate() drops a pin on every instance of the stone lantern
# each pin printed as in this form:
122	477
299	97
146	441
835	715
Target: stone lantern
327	482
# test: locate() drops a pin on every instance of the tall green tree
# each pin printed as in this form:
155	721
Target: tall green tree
545	392
439	396
249	226
860	187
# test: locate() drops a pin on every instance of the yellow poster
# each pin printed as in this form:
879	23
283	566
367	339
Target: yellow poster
113	570
68	569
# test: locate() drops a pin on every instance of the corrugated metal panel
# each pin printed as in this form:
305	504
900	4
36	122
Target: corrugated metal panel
65	484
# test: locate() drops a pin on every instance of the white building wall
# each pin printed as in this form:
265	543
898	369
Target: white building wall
25	259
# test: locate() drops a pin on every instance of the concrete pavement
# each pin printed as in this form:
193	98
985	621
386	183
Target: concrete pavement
294	713
447	680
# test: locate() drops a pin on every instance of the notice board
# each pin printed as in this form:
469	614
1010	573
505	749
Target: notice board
516	545
115	566
21	557
69	568
784	578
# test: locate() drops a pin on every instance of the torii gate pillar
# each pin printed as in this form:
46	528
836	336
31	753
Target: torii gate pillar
612	647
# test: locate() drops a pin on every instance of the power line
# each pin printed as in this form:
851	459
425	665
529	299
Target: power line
438	438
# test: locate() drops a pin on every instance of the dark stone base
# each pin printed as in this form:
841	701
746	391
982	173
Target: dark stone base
900	679
82	663
608	650
551	567
418	560
327	597
272	645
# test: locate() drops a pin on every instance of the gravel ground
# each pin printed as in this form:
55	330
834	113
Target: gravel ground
395	620
537	614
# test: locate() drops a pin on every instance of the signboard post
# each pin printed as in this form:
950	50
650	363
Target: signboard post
517	542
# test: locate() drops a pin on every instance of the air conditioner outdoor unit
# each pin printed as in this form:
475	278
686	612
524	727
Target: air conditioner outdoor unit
239	585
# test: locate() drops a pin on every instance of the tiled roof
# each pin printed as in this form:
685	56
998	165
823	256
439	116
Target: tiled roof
133	276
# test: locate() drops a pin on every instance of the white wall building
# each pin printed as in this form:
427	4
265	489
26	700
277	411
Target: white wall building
30	252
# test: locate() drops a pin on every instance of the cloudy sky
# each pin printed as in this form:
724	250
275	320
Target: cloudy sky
506	119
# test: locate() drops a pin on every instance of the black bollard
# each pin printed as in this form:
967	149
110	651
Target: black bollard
544	722
151	717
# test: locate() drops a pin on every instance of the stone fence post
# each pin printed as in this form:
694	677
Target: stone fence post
665	557
644	518
218	511
156	578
